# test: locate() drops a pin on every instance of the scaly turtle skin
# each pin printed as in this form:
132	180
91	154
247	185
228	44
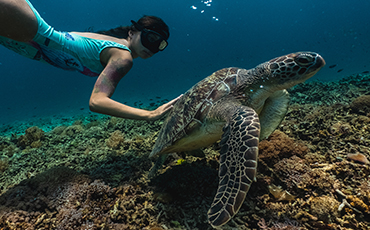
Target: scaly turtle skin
240	107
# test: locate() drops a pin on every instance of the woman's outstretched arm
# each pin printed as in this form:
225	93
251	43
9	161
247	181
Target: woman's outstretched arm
119	63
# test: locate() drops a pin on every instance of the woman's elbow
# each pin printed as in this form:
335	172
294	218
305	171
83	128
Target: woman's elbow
94	105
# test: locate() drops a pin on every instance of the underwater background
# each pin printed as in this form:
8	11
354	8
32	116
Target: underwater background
205	36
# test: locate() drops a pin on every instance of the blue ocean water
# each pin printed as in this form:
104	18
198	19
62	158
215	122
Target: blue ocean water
205	36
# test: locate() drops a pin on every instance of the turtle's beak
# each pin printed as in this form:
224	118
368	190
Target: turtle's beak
320	62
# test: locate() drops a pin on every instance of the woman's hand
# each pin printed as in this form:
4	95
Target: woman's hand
163	109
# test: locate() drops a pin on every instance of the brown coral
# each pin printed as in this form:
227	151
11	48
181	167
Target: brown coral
32	138
291	171
4	164
115	140
279	146
361	103
318	180
325	208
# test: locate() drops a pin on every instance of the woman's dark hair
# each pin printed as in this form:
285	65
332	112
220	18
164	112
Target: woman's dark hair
148	22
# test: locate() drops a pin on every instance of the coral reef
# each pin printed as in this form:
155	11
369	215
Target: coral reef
93	173
329	93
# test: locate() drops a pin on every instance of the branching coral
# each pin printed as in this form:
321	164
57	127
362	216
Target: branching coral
73	130
341	129
8	148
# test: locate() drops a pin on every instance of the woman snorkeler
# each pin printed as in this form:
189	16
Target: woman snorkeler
107	55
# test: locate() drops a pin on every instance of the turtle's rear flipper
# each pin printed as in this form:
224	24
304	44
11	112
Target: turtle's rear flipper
238	164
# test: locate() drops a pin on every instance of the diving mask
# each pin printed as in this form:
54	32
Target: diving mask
151	39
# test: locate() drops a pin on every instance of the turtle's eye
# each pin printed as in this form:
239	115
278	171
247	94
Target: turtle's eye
304	59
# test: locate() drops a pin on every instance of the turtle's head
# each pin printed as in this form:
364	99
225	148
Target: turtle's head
289	70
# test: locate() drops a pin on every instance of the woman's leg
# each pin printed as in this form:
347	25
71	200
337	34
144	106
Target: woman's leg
17	20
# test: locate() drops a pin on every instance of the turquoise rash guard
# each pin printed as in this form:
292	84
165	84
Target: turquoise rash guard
65	50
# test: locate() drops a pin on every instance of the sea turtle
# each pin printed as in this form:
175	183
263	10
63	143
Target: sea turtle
238	107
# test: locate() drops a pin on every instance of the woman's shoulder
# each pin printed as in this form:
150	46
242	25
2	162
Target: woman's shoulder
96	36
119	55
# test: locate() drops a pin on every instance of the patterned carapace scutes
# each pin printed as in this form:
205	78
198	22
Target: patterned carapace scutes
194	105
238	107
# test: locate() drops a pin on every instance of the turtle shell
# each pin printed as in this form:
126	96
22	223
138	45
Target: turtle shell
191	110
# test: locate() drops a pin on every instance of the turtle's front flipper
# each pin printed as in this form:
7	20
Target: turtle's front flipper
238	164
158	164
273	112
